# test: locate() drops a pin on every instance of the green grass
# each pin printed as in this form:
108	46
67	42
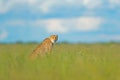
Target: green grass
67	62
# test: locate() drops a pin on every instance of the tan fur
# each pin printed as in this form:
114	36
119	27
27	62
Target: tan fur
44	47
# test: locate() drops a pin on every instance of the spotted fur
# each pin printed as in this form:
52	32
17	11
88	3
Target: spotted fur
44	47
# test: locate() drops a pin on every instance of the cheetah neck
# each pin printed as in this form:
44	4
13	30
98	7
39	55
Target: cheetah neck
52	40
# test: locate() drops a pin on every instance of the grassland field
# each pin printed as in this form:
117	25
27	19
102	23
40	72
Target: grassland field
67	62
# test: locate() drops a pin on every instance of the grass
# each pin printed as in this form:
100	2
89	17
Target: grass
67	62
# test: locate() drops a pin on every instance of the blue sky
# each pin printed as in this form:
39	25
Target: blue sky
72	20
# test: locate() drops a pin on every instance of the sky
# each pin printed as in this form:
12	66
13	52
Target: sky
72	20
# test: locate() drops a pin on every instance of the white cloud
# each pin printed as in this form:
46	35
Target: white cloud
31	2
70	24
62	25
3	34
5	6
88	23
92	4
55	25
47	6
114	3
39	5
